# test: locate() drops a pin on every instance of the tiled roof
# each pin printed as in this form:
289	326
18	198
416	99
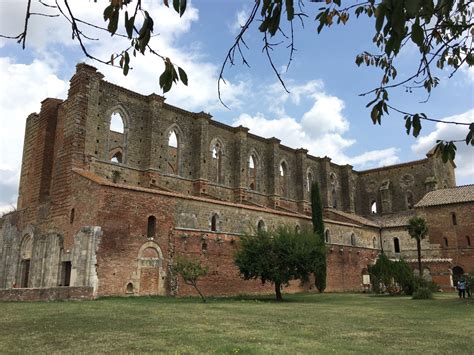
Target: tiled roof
353	217
399	219
448	196
104	182
430	260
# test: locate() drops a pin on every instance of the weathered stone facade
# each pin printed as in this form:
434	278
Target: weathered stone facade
114	185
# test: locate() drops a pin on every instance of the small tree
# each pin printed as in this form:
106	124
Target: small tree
279	257
191	271
318	227
395	277
418	230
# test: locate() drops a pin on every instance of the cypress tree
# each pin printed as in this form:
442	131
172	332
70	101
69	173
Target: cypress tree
318	227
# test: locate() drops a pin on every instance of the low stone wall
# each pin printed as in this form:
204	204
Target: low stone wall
46	294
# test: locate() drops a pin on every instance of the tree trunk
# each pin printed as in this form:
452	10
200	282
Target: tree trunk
194	284
278	291
418	247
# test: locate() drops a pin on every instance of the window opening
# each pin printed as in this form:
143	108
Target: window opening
151	227
173	153
217	162
283	179
252	171
66	273
396	245
453	217
309	181
116	158
409	200
25	272
71	216
373	207
116	123
214	223
334	197
353	239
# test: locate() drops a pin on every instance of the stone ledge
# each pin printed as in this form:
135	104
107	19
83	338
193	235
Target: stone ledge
46	294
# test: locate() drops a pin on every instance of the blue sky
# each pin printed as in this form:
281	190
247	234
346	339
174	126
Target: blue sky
323	112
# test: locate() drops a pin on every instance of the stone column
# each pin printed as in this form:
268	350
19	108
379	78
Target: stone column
348	189
84	258
154	131
325	181
302	196
273	171
241	166
202	156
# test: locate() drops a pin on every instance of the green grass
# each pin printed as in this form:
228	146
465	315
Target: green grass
303	323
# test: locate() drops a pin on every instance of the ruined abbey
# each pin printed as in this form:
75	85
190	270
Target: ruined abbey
115	185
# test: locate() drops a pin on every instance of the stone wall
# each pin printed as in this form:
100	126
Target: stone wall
183	226
46	294
399	187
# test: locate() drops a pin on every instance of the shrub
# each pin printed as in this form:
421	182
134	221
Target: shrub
394	277
422	293
419	282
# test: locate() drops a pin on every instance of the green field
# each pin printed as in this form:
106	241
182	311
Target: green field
303	323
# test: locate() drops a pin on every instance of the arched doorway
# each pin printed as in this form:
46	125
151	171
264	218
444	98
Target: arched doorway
150	270
457	273
26	251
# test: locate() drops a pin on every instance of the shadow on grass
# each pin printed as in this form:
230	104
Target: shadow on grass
312	297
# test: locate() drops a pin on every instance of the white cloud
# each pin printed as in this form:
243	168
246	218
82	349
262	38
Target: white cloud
321	129
23	87
465	153
240	19
381	157
325	116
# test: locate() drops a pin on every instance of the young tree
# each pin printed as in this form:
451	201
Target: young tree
191	270
318	227
278	257
418	230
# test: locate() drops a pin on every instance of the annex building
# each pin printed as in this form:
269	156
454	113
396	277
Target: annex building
115	185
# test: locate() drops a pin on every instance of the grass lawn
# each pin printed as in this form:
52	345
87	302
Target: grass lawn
303	323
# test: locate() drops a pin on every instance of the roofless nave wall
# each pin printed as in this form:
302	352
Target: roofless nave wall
142	141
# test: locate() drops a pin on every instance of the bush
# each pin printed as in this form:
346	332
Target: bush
419	282
422	293
394	277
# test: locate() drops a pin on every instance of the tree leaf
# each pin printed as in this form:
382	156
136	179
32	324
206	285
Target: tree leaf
412	7
417	35
408	124
182	76
290	10
416	125
380	16
126	66
129	22
182	7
